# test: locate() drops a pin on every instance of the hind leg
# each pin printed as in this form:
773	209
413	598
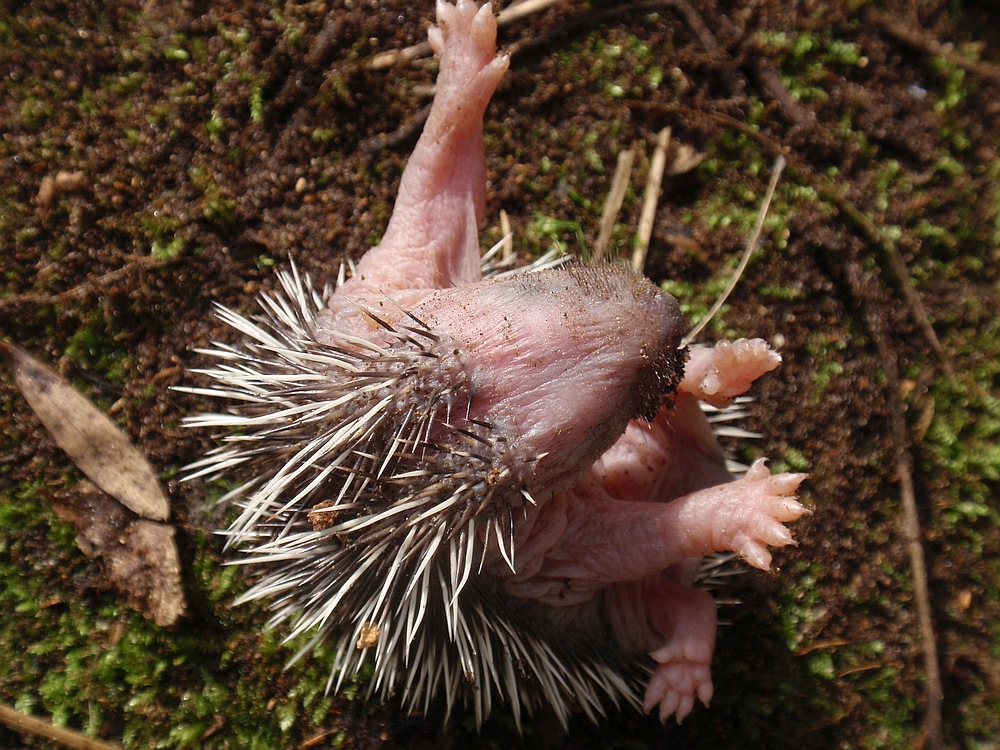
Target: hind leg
677	625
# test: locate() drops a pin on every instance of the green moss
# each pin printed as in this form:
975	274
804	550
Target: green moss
217	204
545	233
94	347
954	87
265	262
104	670
695	300
785	293
166	250
165	242
796	460
805	57
176	54
964	438
827	373
894	725
256	103
215	127
34	111
802	602
324	134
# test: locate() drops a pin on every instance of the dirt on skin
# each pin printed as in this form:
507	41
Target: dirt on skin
157	158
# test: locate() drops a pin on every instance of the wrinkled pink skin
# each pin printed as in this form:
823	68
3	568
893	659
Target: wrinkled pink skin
619	536
432	241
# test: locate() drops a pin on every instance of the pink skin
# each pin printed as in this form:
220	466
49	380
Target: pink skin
679	624
606	540
432	241
624	508
554	358
721	373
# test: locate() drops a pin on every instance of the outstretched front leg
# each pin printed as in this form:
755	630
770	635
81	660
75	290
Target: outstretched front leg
432	240
606	541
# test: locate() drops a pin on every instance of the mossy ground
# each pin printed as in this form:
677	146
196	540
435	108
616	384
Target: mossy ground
218	141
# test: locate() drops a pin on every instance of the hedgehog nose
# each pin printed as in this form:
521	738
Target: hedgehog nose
628	300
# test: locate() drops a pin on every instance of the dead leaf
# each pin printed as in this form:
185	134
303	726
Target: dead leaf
140	556
685	158
119	520
92	441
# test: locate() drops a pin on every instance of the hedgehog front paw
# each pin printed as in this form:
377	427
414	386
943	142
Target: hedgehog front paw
467	25
683	674
465	43
720	373
751	513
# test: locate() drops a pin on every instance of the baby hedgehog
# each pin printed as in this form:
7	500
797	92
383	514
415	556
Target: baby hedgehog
500	488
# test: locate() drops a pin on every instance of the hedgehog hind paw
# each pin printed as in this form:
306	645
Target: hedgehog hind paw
674	687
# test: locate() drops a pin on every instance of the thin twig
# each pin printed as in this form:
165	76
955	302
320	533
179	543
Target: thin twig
650	198
387	59
911	520
613	204
523	9
752	242
36	727
507	251
88	286
914	36
848	210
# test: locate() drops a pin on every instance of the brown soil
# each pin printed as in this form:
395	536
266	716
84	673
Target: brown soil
216	141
